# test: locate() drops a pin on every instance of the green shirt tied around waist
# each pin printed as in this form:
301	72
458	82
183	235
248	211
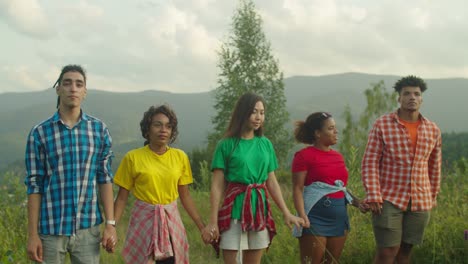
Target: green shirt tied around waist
250	162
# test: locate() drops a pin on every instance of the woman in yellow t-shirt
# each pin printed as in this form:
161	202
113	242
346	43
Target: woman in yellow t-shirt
157	175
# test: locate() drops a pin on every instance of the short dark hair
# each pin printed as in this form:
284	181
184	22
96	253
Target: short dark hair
69	68
305	130
412	81
241	114
166	110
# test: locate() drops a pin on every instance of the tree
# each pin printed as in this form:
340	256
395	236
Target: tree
199	162
354	135
454	147
246	64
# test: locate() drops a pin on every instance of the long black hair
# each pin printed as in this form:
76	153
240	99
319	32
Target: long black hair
241	114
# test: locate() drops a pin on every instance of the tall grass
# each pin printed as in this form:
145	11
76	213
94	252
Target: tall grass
444	238
13	220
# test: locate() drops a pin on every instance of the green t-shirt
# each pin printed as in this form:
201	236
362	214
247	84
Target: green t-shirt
250	162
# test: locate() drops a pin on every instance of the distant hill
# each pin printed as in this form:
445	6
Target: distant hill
444	102
122	113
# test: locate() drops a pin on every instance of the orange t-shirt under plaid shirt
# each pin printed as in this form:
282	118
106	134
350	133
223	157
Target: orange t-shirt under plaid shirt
392	171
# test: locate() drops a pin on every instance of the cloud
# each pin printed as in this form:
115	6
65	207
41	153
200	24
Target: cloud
166	47
22	77
26	17
388	37
172	45
84	22
179	33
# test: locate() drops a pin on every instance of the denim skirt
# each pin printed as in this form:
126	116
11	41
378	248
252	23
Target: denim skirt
328	218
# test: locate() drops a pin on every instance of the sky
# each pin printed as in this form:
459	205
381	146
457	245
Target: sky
173	46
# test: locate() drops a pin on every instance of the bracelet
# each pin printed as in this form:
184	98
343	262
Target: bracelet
110	222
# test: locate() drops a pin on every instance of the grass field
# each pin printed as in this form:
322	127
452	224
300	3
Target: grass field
444	239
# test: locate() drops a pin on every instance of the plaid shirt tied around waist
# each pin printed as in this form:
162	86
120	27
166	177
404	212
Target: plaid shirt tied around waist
392	171
249	222
155	231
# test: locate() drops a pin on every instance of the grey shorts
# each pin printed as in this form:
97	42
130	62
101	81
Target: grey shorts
235	239
83	247
394	226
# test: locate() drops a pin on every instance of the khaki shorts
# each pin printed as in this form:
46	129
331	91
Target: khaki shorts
83	247
235	239
394	226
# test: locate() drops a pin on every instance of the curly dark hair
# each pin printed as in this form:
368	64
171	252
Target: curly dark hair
65	69
412	81
305	130
166	110
241	114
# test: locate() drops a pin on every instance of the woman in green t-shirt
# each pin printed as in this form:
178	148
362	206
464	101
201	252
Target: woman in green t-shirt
243	169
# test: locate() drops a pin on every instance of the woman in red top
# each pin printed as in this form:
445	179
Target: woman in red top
319	177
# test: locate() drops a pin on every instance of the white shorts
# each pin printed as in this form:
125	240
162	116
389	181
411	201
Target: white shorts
235	239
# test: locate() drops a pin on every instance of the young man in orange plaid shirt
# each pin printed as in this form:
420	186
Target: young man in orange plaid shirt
401	173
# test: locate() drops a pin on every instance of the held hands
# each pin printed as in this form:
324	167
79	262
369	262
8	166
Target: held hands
363	207
109	238
291	220
306	220
210	233
360	204
375	208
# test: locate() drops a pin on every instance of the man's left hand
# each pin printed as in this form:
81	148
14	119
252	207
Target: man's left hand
109	238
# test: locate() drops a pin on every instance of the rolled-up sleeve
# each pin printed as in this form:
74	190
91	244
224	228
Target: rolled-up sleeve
35	163
434	167
370	165
104	174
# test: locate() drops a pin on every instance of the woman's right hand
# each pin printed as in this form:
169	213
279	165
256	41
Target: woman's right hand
210	233
306	220
363	207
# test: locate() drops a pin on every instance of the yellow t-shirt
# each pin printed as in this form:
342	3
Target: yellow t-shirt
154	178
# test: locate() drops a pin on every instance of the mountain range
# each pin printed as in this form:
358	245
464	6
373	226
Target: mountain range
443	102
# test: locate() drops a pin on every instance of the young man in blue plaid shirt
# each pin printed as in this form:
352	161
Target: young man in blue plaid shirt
68	159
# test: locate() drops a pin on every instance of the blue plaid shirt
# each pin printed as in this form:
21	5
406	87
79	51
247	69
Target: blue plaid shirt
65	165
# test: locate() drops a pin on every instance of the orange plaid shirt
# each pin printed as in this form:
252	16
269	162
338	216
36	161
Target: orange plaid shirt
392	172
